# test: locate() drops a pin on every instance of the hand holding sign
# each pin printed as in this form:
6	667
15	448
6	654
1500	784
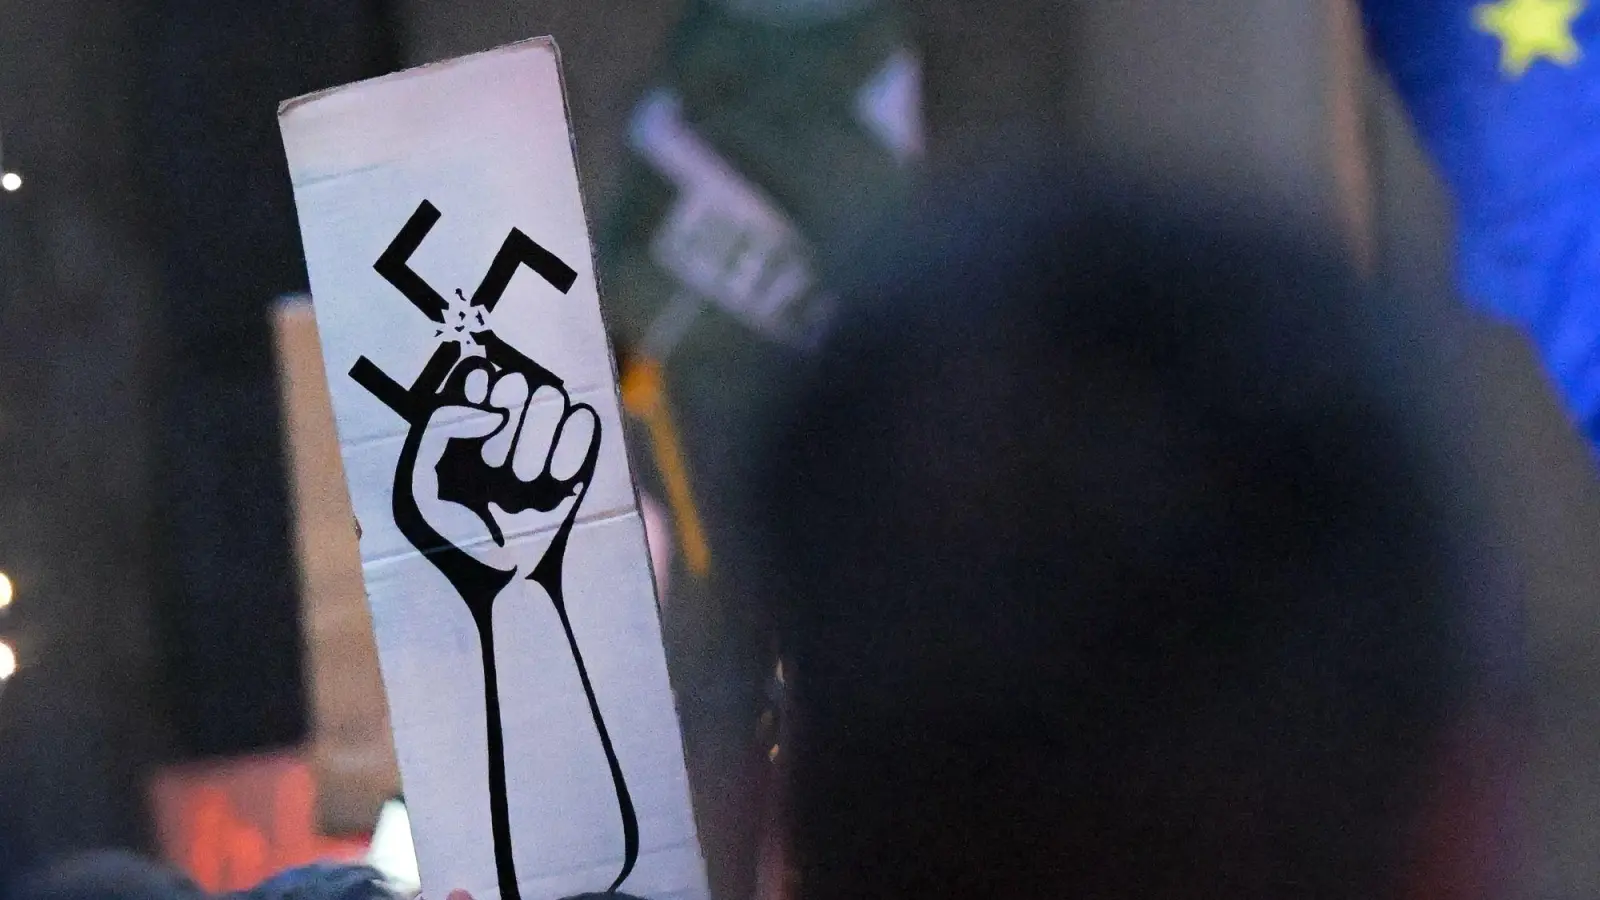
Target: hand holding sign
609	895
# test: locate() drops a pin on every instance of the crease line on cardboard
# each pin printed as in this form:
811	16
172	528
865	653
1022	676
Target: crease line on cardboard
597	518
368	441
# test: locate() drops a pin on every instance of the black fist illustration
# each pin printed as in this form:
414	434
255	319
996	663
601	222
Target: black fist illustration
496	452
501	454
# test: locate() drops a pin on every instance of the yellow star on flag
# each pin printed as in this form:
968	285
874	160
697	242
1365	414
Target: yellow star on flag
1530	30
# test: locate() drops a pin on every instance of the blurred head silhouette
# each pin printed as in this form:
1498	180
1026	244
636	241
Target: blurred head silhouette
321	881
1108	563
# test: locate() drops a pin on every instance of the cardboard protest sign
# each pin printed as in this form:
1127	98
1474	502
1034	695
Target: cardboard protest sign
501	545
350	748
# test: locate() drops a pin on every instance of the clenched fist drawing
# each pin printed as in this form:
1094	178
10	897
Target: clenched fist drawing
495	448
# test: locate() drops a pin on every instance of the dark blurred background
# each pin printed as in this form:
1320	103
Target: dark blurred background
145	513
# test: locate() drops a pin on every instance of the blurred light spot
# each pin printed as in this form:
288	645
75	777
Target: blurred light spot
8	661
7	592
10	181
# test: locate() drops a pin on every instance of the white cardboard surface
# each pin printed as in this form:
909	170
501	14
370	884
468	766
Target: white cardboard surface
485	140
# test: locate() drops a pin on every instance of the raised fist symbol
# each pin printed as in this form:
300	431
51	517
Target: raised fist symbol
501	454
496	450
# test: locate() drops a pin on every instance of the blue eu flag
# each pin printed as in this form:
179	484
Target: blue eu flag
1506	98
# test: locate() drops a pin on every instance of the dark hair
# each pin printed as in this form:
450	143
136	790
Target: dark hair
321	881
106	875
1106	564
